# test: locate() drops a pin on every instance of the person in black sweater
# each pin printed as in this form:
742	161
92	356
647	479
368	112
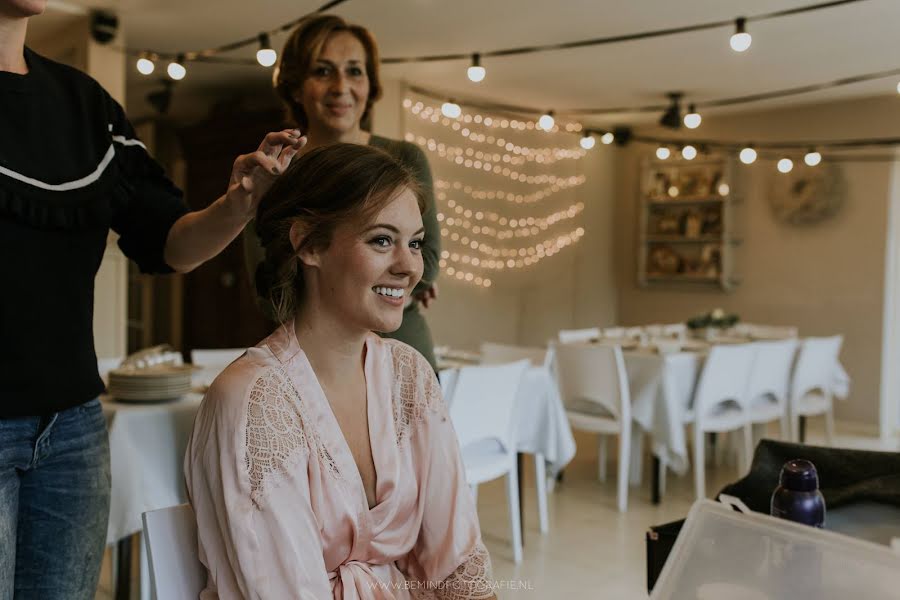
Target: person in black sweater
71	169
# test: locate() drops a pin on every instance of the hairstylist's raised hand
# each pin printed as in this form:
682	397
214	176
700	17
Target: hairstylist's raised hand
253	173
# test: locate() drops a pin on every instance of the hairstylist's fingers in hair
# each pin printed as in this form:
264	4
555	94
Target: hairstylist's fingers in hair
275	141
288	154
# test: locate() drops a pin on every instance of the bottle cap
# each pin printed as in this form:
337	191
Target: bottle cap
799	475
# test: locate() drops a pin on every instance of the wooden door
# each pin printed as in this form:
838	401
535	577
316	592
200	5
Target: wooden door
220	310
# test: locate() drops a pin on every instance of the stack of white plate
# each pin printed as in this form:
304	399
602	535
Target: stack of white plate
151	384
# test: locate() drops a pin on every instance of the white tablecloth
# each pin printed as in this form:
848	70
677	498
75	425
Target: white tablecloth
662	391
541	423
147	443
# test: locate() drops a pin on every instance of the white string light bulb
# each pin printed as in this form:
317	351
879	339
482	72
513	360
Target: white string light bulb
476	72
785	165
812	158
688	152
692	119
607	138
588	141
662	153
748	156
741	40
176	68
451	110
547	121
145	66
266	55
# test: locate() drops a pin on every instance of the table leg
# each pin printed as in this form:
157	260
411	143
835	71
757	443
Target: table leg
654	487
123	569
520	469
802	431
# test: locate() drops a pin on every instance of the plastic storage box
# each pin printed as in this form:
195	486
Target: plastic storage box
722	554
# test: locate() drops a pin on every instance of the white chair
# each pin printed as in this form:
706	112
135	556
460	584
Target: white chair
614	332
482	414
769	384
719	402
498	354
813	376
211	363
765	332
574	336
171	538
654	330
594	388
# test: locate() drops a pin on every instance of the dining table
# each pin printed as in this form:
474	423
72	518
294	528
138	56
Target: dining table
147	442
662	383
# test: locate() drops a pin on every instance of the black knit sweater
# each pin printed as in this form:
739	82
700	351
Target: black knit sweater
71	169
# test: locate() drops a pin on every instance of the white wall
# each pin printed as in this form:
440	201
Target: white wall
572	288
826	278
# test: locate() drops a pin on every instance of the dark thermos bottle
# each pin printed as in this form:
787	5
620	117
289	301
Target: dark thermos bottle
797	497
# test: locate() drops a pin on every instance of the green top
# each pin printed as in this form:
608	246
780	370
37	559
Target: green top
414	330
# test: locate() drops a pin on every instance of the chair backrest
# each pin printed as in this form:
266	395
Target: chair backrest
171	537
724	379
771	372
574	336
594	373
654	330
498	354
212	362
765	332
483	402
614	332
447	378
815	366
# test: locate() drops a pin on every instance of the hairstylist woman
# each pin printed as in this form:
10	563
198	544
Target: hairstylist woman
71	169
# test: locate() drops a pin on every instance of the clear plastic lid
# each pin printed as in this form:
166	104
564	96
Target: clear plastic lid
723	554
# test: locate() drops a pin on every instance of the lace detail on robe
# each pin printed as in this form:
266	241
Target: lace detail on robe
276	437
472	580
416	390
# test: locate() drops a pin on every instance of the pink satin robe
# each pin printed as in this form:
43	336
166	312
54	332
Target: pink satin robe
280	505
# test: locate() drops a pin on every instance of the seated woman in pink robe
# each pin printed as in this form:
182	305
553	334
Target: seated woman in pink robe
323	463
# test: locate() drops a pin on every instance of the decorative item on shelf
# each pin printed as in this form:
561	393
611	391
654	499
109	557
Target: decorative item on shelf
660	185
710	261
664	261
668	224
712	222
693	222
715	319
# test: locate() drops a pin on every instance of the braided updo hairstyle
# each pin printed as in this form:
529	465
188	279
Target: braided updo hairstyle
327	186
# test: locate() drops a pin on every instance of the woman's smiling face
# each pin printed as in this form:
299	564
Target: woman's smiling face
368	271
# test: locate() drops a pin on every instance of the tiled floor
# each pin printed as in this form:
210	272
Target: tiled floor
591	551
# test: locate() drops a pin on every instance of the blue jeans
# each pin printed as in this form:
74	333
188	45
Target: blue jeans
54	504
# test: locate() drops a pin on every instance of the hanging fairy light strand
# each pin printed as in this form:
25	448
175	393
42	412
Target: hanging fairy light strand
476	72
573	181
628	37
265	55
467	129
